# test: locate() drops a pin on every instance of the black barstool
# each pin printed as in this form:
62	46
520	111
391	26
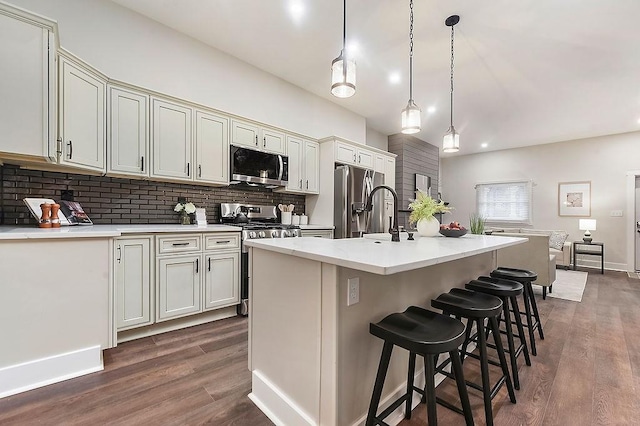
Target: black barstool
533	318
424	333
476	308
507	291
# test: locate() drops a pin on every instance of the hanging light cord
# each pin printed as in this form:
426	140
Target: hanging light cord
344	40
411	51
452	75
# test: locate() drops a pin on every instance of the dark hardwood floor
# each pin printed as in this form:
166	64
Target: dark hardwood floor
586	373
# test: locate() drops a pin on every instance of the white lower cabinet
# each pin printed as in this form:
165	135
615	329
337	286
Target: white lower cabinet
178	286
221	280
133	282
168	276
317	233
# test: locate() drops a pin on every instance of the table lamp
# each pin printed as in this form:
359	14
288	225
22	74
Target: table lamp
587	225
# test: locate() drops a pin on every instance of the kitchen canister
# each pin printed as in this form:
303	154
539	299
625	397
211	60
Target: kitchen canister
295	219
285	218
304	219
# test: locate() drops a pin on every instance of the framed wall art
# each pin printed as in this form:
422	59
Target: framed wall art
574	199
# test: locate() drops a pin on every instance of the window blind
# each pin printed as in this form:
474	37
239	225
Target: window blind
504	202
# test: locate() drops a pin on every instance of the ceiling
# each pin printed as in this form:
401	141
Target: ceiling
527	72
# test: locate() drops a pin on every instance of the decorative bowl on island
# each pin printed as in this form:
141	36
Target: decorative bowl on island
454	230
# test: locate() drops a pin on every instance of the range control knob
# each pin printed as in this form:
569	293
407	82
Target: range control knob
274	234
286	234
262	234
252	234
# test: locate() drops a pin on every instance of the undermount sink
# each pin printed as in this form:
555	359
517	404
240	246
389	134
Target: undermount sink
387	237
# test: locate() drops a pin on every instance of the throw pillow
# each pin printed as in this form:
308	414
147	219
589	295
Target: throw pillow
557	239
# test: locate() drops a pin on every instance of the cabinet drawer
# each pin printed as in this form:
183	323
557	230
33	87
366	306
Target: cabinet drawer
178	243
222	241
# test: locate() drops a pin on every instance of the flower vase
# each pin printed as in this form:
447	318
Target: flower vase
185	219
428	227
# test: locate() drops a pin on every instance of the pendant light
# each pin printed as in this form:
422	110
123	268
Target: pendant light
451	141
411	114
343	68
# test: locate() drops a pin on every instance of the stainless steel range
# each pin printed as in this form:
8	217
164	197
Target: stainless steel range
257	221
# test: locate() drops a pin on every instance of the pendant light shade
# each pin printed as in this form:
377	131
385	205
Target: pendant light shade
343	78
451	140
411	114
343	69
411	118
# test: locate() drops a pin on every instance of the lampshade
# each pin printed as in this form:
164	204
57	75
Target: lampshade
587	224
451	140
411	118
343	82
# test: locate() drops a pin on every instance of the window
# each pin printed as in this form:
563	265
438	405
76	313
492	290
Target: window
504	202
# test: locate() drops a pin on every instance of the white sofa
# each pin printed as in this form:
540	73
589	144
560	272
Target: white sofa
535	255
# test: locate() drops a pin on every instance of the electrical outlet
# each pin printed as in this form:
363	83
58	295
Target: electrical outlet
353	288
616	213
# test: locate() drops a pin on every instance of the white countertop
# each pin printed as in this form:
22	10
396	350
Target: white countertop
378	255
104	231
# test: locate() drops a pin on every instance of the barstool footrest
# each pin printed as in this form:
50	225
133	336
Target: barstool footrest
448	405
390	409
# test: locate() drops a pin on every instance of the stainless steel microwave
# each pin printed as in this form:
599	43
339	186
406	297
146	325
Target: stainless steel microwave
257	167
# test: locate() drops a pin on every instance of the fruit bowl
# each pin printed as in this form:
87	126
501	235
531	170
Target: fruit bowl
454	233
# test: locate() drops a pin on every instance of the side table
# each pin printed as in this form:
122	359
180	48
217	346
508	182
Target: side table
598	251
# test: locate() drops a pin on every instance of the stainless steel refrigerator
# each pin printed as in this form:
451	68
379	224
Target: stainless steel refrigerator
352	187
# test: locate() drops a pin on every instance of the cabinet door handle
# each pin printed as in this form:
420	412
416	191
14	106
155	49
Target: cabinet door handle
209	267
300	183
197	265
70	144
256	140
264	142
119	254
142	163
179	244
307	184
223	242
359	159
199	170
354	157
188	169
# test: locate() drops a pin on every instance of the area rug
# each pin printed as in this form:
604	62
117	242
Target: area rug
569	285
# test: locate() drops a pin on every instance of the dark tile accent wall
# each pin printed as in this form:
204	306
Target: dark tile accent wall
413	156
109	200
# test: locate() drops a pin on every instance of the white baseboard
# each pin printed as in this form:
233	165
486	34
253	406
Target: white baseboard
41	372
277	406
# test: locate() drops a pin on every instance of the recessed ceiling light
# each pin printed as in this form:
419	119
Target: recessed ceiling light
484	145
394	78
296	10
431	109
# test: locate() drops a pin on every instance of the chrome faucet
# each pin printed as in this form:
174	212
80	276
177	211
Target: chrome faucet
395	232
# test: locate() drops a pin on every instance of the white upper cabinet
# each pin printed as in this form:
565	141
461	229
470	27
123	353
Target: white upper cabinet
295	151
82	117
27	92
171	140
254	136
379	164
212	148
390	175
350	154
303	165
128	132
311	167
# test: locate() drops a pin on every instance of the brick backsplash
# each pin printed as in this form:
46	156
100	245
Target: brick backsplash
109	200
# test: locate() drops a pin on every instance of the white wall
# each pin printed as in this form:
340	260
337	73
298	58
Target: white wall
377	139
129	47
602	160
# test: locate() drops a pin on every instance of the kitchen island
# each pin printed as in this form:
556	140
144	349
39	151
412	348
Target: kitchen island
312	358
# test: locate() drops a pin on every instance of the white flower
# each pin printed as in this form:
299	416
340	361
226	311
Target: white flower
189	208
178	207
